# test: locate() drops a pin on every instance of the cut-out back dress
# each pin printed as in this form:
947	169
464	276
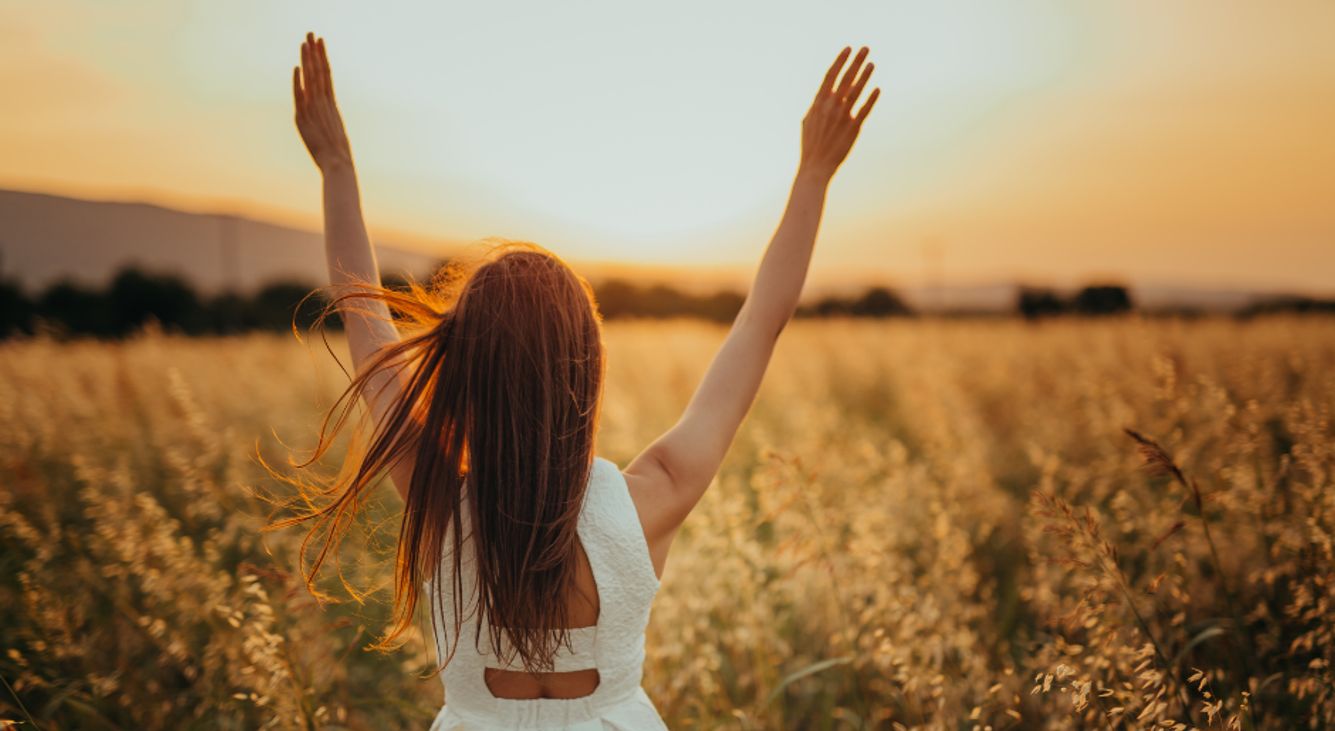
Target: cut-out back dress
612	538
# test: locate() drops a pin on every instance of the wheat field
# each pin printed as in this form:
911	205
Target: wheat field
923	524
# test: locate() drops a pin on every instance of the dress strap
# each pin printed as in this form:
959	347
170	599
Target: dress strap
614	539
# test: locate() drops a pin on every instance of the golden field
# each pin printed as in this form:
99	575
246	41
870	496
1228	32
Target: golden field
923	524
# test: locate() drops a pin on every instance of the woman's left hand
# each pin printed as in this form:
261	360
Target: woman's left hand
318	120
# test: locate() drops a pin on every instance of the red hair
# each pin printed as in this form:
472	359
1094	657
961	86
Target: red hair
501	372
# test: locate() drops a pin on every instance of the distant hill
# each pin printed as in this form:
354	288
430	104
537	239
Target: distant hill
45	238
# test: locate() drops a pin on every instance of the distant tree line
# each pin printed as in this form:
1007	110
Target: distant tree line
619	298
1305	305
134	298
1111	299
1099	299
874	302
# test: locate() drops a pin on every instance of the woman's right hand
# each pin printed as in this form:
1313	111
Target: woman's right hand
830	127
318	120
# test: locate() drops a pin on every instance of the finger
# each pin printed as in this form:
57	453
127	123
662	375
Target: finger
297	95
326	77
827	85
851	73
310	66
307	77
852	99
321	66
866	108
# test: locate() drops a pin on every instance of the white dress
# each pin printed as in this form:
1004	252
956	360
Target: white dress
610	532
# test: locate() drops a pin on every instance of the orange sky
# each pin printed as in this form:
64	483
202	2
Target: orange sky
1186	142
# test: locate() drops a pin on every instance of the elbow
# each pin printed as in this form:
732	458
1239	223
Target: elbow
770	320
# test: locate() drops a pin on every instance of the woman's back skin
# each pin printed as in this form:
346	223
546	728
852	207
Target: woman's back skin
668	478
572	684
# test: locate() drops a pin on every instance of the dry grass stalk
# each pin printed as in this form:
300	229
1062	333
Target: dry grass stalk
875	512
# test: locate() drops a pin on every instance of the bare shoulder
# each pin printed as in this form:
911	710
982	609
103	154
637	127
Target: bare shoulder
652	492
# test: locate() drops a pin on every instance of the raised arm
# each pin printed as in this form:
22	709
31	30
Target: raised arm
671	475
347	247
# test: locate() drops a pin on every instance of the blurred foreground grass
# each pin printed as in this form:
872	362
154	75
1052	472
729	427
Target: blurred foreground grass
923	524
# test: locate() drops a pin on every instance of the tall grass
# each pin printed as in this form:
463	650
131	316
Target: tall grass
922	525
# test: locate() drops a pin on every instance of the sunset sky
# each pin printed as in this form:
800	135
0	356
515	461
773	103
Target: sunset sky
1185	142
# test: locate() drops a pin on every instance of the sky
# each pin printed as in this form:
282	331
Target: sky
1185	142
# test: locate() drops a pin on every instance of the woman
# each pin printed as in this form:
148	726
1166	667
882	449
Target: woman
539	560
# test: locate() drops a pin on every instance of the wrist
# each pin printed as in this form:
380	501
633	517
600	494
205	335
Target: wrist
812	176
336	165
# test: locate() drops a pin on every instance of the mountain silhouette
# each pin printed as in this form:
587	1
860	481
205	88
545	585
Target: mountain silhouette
47	238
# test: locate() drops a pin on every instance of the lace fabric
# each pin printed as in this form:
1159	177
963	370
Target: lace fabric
610	532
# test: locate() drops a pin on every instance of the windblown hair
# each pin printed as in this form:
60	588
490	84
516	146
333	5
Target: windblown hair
501	369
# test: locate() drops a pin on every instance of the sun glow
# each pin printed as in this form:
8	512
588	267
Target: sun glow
1035	139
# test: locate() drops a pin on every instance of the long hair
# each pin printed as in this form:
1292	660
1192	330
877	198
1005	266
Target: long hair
500	370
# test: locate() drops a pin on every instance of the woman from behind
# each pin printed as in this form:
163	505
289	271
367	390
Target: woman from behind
539	560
